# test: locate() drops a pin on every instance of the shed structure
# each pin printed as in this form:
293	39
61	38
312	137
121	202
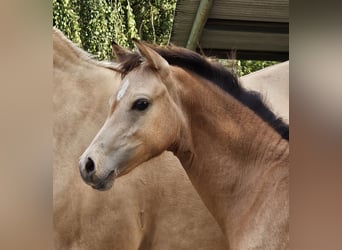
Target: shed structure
247	29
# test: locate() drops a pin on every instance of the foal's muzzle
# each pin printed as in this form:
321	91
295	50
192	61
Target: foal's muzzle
87	169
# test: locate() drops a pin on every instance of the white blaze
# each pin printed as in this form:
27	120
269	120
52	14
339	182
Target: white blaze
122	90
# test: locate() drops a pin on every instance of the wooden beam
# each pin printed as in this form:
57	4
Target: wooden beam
247	26
241	40
198	23
245	54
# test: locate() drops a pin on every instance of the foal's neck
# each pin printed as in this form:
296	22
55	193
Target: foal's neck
229	154
218	123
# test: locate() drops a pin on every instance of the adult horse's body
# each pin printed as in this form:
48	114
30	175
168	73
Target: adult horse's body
273	84
154	209
233	148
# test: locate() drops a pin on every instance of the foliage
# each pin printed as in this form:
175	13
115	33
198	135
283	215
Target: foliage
154	19
66	19
95	24
245	67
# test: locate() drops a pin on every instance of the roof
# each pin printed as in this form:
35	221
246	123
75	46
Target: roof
255	29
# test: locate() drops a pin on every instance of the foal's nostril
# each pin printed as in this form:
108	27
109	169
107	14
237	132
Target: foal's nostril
90	166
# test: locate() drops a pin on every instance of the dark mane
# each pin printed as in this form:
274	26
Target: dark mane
218	75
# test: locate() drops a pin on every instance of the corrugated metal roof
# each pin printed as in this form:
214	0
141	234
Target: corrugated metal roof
256	29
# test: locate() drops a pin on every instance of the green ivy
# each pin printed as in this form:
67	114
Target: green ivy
66	19
95	24
245	67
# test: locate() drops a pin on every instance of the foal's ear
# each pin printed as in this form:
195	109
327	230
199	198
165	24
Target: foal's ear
152	58
119	52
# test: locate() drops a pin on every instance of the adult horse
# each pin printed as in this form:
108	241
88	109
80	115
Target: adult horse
154	207
233	148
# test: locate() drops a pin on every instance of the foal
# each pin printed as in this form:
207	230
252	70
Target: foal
234	150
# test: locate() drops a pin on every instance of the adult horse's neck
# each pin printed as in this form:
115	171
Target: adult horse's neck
237	163
81	88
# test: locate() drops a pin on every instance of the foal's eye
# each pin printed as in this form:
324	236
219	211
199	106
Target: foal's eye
140	104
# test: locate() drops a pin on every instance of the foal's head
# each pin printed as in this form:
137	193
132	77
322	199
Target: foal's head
143	121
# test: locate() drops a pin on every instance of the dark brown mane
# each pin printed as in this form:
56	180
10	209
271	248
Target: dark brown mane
129	62
218	75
